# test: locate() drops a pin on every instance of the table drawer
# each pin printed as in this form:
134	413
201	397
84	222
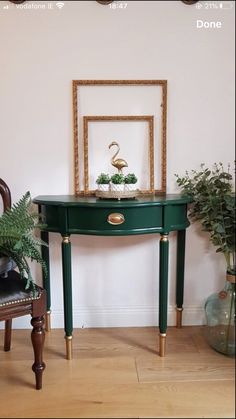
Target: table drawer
115	221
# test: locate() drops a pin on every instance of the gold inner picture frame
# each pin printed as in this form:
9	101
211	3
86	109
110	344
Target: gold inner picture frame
120	118
89	97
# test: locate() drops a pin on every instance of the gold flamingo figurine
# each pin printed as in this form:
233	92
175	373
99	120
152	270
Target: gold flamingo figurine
118	163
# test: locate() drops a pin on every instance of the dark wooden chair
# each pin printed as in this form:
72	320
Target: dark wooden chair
16	301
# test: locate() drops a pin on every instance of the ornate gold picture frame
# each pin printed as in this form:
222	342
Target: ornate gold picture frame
101	91
121	118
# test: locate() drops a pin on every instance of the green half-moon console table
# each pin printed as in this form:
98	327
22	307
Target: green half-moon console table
69	214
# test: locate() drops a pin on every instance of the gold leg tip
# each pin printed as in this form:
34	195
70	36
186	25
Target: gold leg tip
162	344
68	347
48	321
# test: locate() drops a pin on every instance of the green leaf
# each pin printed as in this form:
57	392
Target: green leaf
18	239
213	206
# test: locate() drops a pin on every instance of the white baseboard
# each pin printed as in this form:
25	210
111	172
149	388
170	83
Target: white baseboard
135	316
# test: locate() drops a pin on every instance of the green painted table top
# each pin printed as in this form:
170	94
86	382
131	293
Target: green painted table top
146	200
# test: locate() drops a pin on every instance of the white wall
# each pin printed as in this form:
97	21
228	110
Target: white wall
41	53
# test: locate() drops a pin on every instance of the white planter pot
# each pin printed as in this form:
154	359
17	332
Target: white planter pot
117	188
130	187
104	187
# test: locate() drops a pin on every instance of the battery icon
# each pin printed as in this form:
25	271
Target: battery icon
226	5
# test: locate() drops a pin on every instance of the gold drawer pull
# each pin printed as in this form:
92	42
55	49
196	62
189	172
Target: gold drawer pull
115	218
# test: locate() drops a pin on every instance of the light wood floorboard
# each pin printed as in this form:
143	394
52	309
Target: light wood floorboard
117	373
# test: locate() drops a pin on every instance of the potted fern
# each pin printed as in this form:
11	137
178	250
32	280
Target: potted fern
18	242
213	205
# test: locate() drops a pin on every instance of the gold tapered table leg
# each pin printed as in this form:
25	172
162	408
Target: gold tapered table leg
68	347
48	321
179	312
162	338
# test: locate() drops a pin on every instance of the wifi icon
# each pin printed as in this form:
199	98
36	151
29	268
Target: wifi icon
60	5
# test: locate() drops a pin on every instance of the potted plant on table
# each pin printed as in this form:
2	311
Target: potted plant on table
130	182
213	205
18	242
117	182
103	182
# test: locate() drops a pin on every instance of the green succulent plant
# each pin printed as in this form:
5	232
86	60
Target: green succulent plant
117	178
103	179
18	240
131	178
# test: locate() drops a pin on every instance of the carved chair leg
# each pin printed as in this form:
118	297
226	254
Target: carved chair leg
7	335
37	337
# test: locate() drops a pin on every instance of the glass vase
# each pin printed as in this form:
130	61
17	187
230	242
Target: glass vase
220	318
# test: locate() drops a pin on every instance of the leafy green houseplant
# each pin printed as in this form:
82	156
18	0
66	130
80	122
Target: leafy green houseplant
213	206
18	241
212	193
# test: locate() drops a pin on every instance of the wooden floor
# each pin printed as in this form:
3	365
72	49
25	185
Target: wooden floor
117	373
